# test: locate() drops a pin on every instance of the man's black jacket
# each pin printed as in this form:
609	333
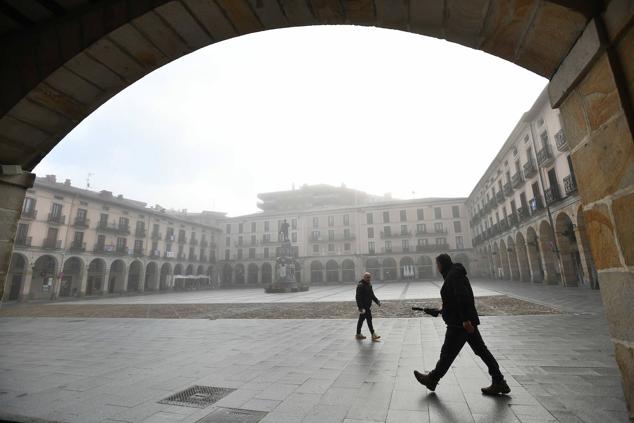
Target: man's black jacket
365	295
457	297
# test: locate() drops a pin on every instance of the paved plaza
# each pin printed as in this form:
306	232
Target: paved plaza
560	366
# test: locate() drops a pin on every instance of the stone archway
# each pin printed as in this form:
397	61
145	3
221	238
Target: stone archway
151	282
504	261
548	248
252	274
406	267
239	274
45	274
136	277
71	277
96	277
513	264
348	273
316	272
178	269
571	271
165	278
332	271
522	258
227	274
373	266
16	278
390	272
117	277
189	270
424	267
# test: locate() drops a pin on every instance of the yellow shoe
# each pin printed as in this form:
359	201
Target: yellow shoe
375	337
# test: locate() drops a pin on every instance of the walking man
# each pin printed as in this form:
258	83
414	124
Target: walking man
365	296
459	313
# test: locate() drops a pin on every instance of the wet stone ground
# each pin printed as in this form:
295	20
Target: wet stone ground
499	305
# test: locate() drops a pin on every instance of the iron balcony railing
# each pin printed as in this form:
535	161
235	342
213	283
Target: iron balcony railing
156	235
552	195
139	233
81	222
155	254
56	219
560	141
202	258
138	252
570	185
122	250
529	169
536	204
23	241
113	228
508	190
523	213
77	246
192	257
499	196
544	156
517	179
513	220
29	214
170	237
52	244
402	234
182	240
440	230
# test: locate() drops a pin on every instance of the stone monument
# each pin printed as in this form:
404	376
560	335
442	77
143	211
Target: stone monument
286	267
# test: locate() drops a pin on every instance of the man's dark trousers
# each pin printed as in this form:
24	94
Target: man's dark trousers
365	316
455	338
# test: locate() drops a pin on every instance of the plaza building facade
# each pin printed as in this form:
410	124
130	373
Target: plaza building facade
337	233
76	242
525	213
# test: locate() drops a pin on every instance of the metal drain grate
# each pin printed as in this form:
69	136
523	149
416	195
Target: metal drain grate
233	415
197	396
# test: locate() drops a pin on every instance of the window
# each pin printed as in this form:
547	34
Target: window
346	220
369	218
138	245
316	248
294	224
253	240
228	241
346	234
420	214
405	244
240	228
266	226
371	247
437	212
294	237
266	238
331	247
78	239
421	242
331	221
457	227
387	231
421	228
56	210
331	235
121	244
346	246
441	241
370	232
266	252
240	254
140	227
388	246
403	215
240	240
101	242
455	211
29	205
81	215
438	227
254	226
403	229
21	234
228	228
386	217
315	222
315	236
459	243
227	255
544	139
124	223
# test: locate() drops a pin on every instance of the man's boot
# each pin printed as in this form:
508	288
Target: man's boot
497	388
376	337
359	336
426	380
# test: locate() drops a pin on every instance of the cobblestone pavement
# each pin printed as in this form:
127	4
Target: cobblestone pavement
560	367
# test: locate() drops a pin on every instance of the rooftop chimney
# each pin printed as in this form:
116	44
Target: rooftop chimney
67	182
120	196
105	193
51	178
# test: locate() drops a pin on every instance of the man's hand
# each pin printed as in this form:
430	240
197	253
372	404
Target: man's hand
362	311
378	303
468	326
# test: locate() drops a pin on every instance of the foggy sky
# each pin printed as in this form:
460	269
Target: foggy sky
379	110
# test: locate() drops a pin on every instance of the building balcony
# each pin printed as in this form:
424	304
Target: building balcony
170	237
29	214
503	225
22	241
139	233
440	230
499	196
570	185
513	220
56	219
423	233
138	252
536	204
193	241
508	190
81	222
182	240
52	244
552	195
560	141
522	213
122	251
529	169
156	236
430	248
389	235
517	179
113	228
545	156
202	259
181	256
155	254
169	255
78	246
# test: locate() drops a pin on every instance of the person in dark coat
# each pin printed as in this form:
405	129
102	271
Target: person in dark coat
365	296
461	317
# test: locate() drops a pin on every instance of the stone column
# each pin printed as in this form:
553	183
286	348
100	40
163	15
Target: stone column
83	282
12	190
106	280
594	87
26	283
141	286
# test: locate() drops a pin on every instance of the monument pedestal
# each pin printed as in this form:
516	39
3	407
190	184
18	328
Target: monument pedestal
285	279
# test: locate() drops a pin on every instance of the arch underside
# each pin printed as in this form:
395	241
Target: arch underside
57	71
